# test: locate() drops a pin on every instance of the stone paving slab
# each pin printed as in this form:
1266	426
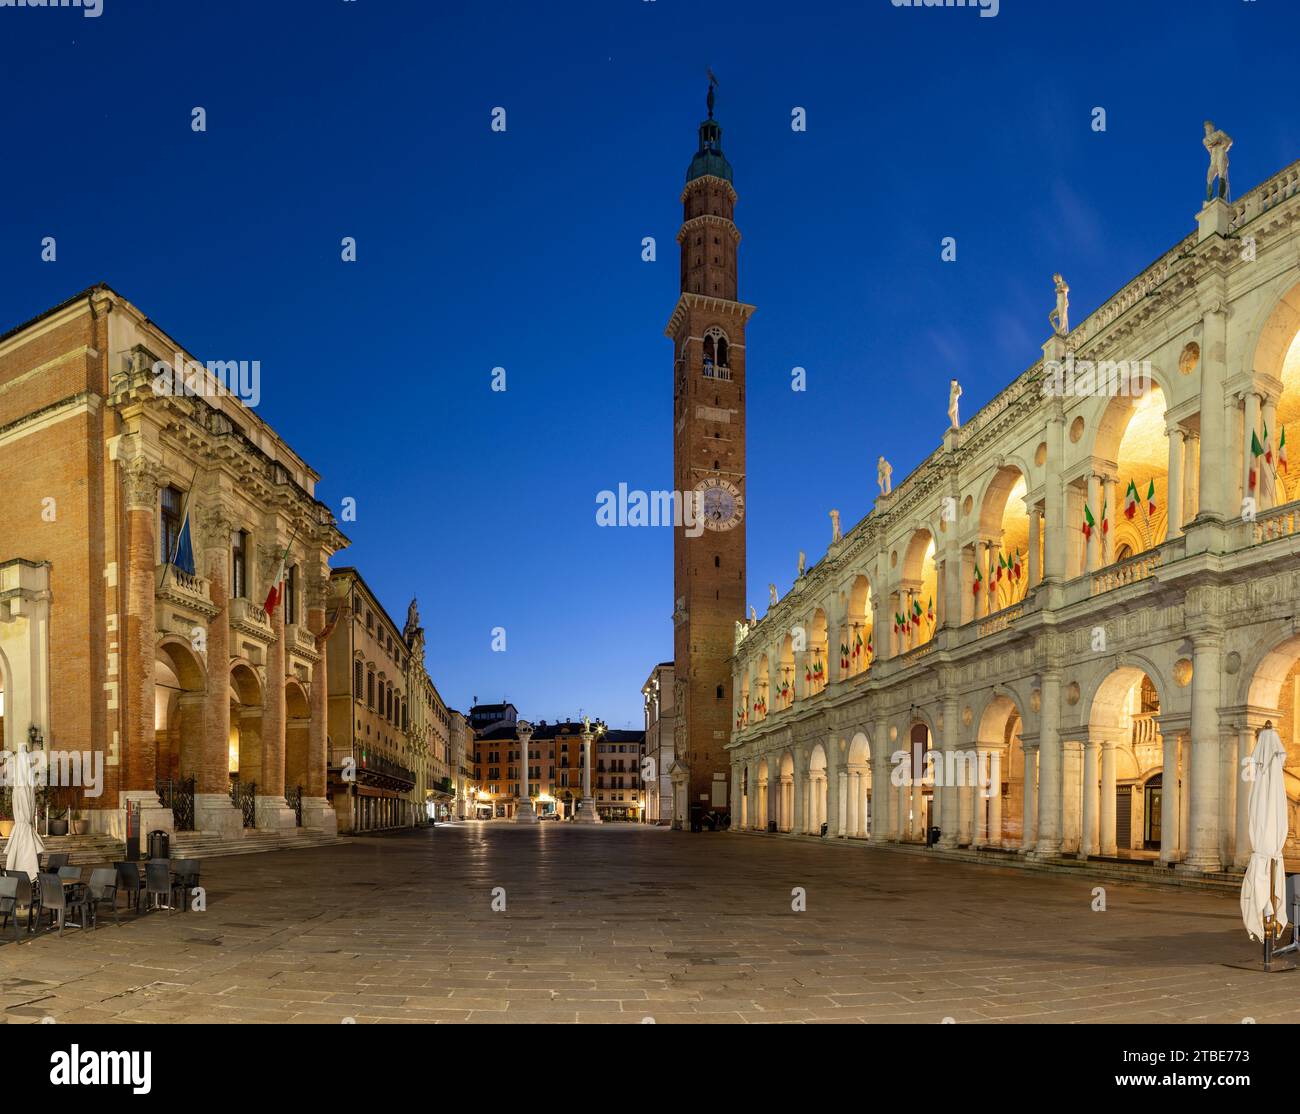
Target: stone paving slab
627	924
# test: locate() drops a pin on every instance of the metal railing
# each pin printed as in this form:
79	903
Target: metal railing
178	795
243	795
293	797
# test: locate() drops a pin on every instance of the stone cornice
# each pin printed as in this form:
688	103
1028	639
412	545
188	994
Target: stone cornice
707	304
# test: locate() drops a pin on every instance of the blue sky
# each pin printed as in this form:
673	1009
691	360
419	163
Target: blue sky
370	118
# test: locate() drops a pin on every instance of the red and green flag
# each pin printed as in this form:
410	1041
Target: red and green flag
1088	522
276	594
978	579
1151	497
1105	518
1002	568
929	611
1256	451
916	613
1281	451
1131	500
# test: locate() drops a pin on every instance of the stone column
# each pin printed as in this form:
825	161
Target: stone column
854	792
803	818
1050	768
1054	551
884	798
1203	853
1191	470
525	813
986	588
213	809
1091	837
949	821
273	811
995	798
1029	819
1108	504
587	812
1250	425
1107	838
842	800
1035	531
317	813
1175	495
965	795
1093	555
1215	480
1071	796
1246	739
140	749
1169	799
979	832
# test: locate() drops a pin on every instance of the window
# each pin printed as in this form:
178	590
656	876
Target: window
239	565
169	533
358	681
370	689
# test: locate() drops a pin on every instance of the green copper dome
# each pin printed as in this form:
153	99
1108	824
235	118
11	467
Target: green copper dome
709	159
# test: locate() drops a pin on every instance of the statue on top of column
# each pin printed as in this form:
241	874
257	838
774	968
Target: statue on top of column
884	476
803	562
1218	144
954	393
835	527
772	598
412	620
1059	318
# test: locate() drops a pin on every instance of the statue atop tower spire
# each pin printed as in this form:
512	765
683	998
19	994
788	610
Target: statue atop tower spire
713	82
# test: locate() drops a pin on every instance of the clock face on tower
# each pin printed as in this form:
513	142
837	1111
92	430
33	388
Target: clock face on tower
720	503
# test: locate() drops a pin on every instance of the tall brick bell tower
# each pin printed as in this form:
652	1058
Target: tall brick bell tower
707	329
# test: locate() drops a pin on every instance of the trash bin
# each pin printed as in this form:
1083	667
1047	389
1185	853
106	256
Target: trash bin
931	837
825	828
771	825
159	845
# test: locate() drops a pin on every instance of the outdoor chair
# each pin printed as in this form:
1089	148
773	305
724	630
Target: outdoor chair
186	872
159	889
73	872
9	904
61	905
26	899
130	883
53	861
103	888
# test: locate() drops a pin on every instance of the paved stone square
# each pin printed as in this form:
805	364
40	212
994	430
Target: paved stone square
623	923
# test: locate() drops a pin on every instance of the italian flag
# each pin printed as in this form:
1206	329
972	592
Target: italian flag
916	613
1256	451
929	611
1002	567
1015	564
857	644
978	578
1131	500
870	648
1281	451
1105	518
276	593
1088	522
1151	497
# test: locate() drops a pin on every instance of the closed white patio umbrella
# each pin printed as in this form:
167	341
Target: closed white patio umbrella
25	843
1263	890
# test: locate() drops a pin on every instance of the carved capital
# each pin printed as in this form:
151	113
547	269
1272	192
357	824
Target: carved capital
141	481
213	527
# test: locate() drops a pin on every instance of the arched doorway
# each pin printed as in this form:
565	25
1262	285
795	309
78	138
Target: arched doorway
815	813
245	743
999	799
1005	541
785	794
1127	770
855	822
916	597
297	744
179	693
1275	692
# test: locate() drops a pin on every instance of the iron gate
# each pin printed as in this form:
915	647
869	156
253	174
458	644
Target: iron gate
179	797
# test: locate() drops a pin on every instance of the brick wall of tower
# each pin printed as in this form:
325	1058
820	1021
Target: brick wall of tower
709	570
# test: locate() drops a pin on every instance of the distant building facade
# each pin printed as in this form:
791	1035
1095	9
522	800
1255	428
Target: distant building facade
660	723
